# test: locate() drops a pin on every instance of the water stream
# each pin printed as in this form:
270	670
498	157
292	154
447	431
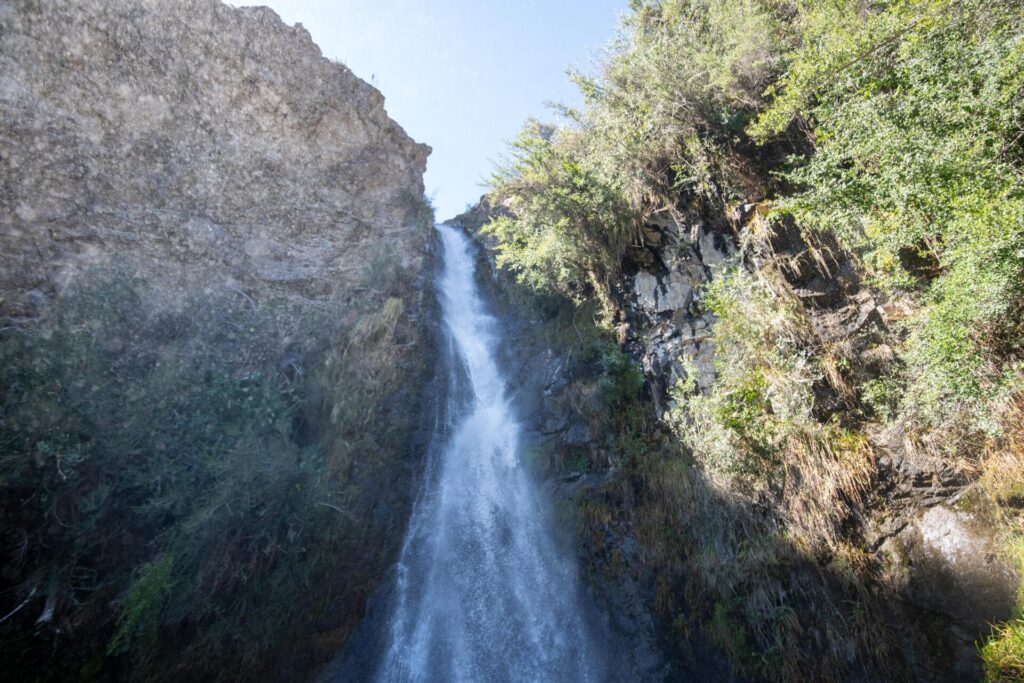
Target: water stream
483	590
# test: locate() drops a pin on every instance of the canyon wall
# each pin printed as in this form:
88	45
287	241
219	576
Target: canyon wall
214	265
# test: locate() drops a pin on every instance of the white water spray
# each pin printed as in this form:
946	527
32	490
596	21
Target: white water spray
483	592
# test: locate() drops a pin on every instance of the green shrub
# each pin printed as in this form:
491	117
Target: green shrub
143	606
674	94
755	431
567	227
917	120
619	380
762	387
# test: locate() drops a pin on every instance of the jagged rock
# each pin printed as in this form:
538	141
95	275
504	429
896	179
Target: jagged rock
713	249
645	287
674	292
741	213
663	310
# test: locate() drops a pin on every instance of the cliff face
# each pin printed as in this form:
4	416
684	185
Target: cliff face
936	578
213	256
204	143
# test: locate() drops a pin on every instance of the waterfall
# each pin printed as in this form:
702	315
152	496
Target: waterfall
483	591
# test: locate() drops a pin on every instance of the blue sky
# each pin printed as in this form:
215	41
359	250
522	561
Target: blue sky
460	75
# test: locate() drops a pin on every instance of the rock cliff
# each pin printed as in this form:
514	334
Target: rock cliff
943	578
215	331
200	142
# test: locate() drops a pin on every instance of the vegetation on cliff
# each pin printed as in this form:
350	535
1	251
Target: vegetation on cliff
882	135
176	477
213	335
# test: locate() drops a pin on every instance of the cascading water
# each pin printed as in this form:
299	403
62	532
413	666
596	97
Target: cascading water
483	592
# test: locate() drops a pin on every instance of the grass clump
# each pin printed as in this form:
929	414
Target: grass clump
756	432
1002	480
1003	652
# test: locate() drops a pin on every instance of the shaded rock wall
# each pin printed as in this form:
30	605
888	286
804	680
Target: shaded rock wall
918	525
212	153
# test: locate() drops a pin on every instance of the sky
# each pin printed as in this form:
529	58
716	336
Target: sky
460	75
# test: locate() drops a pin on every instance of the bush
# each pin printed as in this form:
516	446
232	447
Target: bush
674	94
566	227
1003	653
619	379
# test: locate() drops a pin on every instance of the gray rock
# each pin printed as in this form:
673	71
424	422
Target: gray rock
676	294
710	253
645	287
955	567
659	296
168	136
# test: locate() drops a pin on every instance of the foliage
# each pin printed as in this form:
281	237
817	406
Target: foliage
917	121
1003	653
755	431
1002	480
676	89
567	226
762	387
908	119
674	94
166	457
143	605
619	380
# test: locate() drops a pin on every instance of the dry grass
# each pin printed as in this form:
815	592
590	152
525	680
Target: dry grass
1003	466
774	503
827	472
1002	484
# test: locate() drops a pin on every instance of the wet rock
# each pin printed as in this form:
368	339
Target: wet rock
955	567
578	434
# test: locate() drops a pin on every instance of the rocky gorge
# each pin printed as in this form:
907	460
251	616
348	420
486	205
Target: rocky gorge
760	357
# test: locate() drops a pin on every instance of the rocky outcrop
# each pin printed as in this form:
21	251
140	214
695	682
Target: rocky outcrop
198	142
262	220
938	561
662	297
